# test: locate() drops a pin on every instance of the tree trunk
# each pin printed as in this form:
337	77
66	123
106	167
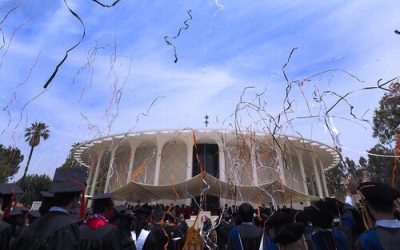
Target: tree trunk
27	164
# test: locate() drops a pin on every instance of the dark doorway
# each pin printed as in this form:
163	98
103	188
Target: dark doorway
209	160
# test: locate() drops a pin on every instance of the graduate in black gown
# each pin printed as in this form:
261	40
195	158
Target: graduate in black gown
96	232
291	236
123	218
47	202
140	224
324	235
5	235
223	229
246	235
158	238
18	220
378	201
56	230
7	192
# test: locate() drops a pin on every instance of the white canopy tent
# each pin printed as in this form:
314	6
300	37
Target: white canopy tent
281	194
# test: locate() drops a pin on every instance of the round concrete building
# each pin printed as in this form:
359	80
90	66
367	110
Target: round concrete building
226	166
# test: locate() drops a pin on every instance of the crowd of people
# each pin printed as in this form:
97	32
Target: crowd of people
63	222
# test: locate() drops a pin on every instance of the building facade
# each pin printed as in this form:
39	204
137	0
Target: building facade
238	160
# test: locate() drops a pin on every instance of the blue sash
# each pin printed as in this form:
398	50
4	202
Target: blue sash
235	237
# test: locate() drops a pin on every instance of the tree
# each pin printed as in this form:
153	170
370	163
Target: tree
386	128
32	136
335	176
10	158
380	167
386	120
70	162
33	184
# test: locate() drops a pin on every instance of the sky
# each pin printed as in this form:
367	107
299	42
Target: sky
123	75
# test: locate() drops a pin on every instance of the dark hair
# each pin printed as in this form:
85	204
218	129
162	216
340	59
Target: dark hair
45	206
100	206
157	214
64	199
246	212
384	207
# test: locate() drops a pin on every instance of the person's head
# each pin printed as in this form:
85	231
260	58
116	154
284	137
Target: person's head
67	200
8	192
47	202
320	214
290	237
274	223
377	201
103	204
246	212
225	216
157	215
67	186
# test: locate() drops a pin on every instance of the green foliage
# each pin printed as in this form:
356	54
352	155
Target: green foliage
32	136
36	131
70	162
380	167
333	179
33	184
341	172
386	124
386	119
10	158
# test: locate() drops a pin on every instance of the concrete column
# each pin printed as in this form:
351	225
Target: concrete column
95	176
302	171
280	167
317	177
189	159
324	183
221	159
131	160
254	164
110	169
222	169
89	181
160	145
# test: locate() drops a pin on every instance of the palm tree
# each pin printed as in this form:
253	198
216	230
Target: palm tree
32	136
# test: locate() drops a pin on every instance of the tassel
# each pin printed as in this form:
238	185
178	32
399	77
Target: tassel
83	205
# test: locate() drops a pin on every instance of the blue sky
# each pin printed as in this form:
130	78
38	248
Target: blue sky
229	45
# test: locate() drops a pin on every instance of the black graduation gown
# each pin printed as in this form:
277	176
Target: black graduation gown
53	231
175	239
126	239
250	237
103	238
157	238
183	228
223	230
124	229
5	235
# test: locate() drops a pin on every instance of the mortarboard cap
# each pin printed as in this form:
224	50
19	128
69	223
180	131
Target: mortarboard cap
9	189
378	193
46	194
289	233
320	214
225	215
124	211
34	213
18	211
142	210
278	219
68	180
102	196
